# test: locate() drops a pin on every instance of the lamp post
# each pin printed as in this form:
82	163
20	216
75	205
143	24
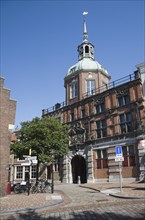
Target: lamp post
52	183
29	172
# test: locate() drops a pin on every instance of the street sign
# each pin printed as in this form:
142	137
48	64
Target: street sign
118	150
25	164
141	144
34	162
32	158
29	160
119	158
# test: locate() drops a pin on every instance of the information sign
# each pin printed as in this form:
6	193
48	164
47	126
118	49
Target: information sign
119	159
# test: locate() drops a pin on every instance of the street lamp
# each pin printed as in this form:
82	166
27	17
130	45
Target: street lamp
52	183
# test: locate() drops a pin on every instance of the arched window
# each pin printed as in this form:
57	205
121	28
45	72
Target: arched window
86	49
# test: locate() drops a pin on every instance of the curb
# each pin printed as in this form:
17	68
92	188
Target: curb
127	197
117	196
14	211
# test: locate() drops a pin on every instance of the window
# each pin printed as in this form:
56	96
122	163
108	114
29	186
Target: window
102	160
73	89
72	115
125	122
123	100
83	113
19	172
129	156
33	172
104	86
90	87
101	128
100	108
22	172
86	49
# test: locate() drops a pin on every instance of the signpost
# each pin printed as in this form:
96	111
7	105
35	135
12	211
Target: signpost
119	158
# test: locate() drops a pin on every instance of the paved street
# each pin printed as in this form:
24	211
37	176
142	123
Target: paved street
84	204
83	196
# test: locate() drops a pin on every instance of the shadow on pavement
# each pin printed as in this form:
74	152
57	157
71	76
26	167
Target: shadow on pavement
81	215
139	188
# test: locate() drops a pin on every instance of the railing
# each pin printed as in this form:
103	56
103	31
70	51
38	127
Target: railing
101	89
54	108
112	84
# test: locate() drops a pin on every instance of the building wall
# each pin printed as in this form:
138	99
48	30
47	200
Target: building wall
129	139
81	78
141	68
7	117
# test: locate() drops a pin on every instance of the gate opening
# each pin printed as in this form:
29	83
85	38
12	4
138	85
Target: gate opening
78	169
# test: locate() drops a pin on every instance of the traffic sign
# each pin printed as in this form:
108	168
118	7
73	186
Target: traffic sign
119	158
118	151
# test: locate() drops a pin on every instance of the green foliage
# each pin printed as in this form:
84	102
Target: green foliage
43	136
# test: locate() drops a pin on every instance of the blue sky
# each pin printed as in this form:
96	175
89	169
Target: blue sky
39	42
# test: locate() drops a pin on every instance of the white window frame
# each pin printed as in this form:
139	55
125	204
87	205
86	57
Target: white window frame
73	89
90	86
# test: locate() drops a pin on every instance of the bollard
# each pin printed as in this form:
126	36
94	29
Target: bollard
9	188
79	180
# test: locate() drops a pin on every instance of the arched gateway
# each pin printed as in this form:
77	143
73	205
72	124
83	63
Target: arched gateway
78	164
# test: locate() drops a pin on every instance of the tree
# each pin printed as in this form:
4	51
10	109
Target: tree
43	136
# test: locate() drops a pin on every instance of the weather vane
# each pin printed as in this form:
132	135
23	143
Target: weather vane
85	13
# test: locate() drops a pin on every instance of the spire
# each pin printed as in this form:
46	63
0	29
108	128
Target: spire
85	49
85	34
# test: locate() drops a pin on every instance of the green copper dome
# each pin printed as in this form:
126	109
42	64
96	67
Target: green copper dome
86	60
86	64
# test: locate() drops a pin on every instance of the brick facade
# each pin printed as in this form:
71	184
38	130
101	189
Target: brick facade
7	117
111	114
114	135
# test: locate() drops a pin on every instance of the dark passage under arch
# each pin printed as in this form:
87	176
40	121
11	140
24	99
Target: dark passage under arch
78	169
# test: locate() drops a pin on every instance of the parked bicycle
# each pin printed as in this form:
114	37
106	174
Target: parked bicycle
22	187
41	186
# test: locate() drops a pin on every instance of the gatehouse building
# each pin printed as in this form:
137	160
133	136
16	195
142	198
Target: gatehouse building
102	114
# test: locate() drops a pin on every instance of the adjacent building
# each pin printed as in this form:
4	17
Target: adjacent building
102	114
7	119
141	68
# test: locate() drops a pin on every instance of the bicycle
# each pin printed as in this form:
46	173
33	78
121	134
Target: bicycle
22	187
41	186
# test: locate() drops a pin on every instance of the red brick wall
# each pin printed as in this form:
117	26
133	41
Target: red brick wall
7	116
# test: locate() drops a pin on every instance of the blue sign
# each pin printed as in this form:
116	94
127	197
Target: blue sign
118	150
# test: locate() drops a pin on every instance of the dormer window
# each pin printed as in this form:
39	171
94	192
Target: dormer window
72	70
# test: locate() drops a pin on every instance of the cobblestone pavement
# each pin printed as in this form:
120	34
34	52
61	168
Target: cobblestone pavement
77	203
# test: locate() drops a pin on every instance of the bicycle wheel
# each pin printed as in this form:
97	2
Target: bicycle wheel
47	189
33	189
17	189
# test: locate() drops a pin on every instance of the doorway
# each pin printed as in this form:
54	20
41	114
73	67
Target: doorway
78	164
